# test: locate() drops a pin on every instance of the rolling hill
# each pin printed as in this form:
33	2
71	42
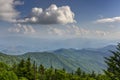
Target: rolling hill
87	59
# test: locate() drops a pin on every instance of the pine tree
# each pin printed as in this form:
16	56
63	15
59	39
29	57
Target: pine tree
14	68
113	64
21	69
78	72
28	69
41	69
64	69
93	74
34	68
28	65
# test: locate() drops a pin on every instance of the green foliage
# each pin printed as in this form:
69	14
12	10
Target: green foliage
113	63
3	66
5	73
41	69
25	70
78	72
8	75
23	78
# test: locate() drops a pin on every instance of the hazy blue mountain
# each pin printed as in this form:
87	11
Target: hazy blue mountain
107	48
19	45
70	59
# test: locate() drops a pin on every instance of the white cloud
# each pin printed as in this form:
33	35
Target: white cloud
18	2
7	10
51	15
101	33
76	31
19	28
56	31
108	20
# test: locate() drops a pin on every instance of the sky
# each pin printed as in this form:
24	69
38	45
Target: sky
59	20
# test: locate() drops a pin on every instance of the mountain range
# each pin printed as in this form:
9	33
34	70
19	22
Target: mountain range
20	45
89	59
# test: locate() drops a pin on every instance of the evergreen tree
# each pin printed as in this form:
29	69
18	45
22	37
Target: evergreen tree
64	69
78	72
21	69
28	64
14	67
93	74
34	68
28	69
41	69
113	64
48	73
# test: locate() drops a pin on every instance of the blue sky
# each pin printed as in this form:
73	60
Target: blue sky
85	10
60	19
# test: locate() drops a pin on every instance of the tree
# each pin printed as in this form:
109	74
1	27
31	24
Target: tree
78	72
7	75
48	73
3	66
60	75
35	70
41	69
14	67
113	64
24	69
93	74
28	69
21	69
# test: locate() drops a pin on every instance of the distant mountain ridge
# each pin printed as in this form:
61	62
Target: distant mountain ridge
20	45
70	59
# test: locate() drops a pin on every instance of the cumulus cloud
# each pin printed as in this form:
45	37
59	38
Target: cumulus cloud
18	28
51	15
108	20
7	10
